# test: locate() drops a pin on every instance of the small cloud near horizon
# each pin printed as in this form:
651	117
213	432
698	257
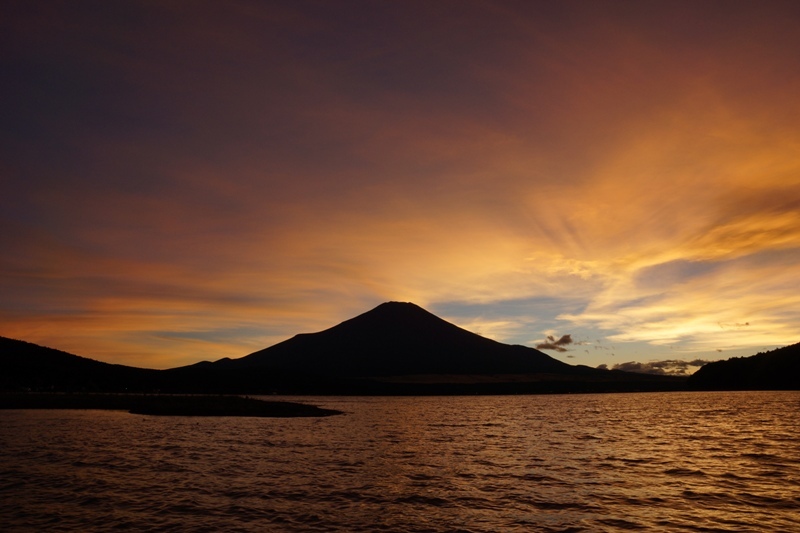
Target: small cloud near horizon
557	345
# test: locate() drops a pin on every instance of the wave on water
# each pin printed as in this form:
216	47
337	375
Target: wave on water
627	462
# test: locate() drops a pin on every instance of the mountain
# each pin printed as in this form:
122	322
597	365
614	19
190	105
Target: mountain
397	339
775	370
400	348
396	348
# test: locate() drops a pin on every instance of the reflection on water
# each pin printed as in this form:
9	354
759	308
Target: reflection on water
666	462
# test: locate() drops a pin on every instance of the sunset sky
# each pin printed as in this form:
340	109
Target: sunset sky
194	180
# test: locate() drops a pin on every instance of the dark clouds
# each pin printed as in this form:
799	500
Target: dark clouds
556	344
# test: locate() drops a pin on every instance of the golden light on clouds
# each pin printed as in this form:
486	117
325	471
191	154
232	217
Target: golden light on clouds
623	173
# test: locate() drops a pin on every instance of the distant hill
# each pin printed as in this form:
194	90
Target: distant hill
775	370
27	366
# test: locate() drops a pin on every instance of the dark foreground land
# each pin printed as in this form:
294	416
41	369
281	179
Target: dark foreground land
163	404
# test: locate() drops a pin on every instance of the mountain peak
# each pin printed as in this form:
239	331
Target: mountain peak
399	308
393	312
394	303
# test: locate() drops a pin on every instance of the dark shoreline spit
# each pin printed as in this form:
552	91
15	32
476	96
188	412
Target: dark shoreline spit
163	404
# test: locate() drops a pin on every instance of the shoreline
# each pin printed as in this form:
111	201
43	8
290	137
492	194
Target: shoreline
164	404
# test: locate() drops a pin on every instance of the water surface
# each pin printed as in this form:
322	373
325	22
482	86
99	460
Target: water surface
612	462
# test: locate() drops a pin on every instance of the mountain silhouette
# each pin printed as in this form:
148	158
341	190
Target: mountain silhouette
400	339
775	370
396	348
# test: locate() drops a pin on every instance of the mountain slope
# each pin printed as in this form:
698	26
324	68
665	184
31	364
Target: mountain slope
775	370
27	366
400	339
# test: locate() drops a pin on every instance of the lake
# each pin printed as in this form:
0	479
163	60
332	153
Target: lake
560	463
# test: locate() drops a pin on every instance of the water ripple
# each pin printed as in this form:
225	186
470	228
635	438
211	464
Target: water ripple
667	462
